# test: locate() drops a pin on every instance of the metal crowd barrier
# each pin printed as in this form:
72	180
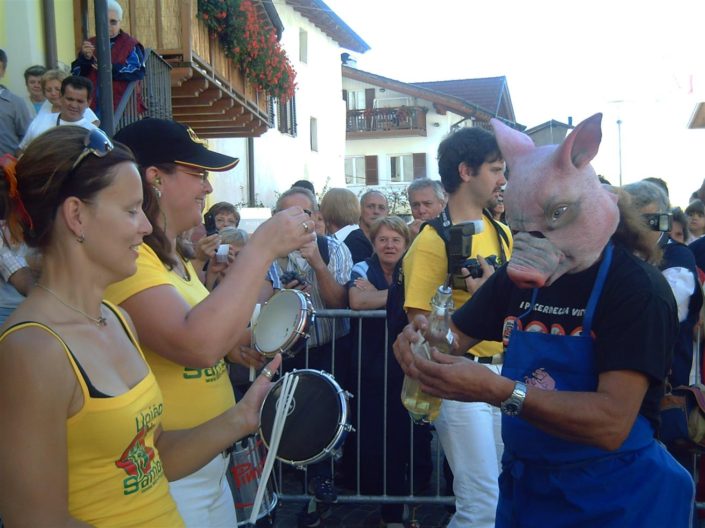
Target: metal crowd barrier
287	485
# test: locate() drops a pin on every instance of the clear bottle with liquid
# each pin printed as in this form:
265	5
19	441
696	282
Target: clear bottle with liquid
422	407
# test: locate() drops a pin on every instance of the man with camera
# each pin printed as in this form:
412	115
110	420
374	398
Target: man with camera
472	171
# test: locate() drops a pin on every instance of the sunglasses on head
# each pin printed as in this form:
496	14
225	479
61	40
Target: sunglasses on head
96	143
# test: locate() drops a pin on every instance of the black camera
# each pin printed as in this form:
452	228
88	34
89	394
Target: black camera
289	276
474	267
659	221
209	224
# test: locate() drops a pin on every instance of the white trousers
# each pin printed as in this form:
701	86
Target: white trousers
471	437
203	498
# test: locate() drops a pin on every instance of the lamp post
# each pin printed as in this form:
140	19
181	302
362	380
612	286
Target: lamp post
619	144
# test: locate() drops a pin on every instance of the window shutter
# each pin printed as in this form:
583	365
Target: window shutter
270	108
369	98
419	165
282	116
292	125
371	174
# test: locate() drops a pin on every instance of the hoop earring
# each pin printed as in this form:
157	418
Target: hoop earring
80	238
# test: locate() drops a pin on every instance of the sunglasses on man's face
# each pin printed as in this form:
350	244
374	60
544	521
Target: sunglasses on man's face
96	143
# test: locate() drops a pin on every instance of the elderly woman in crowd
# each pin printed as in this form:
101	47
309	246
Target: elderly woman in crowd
185	331
81	413
368	290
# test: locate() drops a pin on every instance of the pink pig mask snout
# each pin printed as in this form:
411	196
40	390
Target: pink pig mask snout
535	261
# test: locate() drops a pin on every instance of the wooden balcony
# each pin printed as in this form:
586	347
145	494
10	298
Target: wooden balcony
374	123
209	92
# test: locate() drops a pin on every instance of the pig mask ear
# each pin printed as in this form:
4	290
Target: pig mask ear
581	145
512	143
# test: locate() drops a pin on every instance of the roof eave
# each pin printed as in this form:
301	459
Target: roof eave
454	104
325	19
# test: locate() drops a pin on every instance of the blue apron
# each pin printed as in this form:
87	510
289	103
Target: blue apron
550	482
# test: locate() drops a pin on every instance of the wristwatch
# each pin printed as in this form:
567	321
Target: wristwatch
512	405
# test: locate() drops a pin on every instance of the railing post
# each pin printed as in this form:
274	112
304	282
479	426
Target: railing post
105	68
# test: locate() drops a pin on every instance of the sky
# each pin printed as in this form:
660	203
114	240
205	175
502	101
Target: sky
639	63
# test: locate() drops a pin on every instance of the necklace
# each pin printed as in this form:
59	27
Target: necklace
98	321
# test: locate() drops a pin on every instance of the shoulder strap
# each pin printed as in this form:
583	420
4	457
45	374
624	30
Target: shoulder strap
501	235
125	327
72	360
322	242
442	225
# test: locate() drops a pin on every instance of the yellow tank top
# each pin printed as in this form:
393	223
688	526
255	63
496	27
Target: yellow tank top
192	396
115	474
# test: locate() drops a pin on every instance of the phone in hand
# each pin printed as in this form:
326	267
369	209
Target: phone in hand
209	222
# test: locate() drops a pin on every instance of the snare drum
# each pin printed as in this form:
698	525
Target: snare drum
317	421
282	321
244	474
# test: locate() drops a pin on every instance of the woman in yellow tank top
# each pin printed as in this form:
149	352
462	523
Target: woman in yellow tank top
80	410
185	331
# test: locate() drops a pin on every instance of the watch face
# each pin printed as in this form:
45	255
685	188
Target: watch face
511	409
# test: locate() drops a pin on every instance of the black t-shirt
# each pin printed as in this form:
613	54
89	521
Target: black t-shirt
359	245
635	323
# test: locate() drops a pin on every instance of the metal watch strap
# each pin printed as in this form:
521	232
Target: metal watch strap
512	406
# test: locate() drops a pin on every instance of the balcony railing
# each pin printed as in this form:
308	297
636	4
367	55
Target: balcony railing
389	122
156	93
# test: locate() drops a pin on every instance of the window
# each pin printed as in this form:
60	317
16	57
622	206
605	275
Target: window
401	168
303	46
286	112
356	100
314	134
355	170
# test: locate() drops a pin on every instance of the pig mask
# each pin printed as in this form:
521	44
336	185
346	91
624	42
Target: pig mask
562	215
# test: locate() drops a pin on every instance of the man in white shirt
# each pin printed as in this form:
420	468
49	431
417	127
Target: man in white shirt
75	98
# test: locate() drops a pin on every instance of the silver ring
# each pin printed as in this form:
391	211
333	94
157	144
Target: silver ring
267	373
305	226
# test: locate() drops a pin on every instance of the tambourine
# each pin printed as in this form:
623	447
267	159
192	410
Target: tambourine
283	321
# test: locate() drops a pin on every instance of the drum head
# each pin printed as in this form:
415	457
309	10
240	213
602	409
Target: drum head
280	321
313	420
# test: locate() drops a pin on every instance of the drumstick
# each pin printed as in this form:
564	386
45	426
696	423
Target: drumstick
253	320
285	398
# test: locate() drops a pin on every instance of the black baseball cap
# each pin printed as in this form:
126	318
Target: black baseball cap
157	141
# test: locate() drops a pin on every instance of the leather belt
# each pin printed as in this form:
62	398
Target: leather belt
497	359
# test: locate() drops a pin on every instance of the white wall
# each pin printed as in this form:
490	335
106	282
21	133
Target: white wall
279	159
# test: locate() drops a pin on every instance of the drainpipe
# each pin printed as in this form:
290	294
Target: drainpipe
51	57
251	171
105	67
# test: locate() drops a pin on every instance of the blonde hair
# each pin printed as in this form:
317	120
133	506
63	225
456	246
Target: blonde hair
53	75
340	207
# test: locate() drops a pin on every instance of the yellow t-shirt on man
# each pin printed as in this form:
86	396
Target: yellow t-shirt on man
426	267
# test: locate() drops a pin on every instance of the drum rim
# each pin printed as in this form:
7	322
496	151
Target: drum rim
305	307
342	426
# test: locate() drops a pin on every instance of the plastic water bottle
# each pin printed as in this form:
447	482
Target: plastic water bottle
422	407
